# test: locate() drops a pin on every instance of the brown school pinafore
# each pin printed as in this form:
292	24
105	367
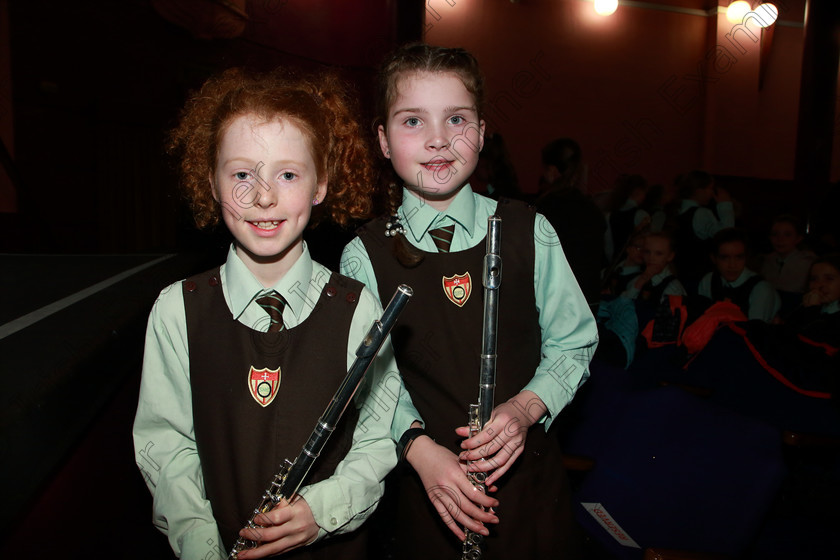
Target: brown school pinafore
242	443
438	346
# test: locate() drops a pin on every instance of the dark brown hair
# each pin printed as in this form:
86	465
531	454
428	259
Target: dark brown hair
728	235
419	57
663	234
320	106
831	259
791	219
692	182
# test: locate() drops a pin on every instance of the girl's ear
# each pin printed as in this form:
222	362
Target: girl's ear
383	142
482	126
213	187
320	191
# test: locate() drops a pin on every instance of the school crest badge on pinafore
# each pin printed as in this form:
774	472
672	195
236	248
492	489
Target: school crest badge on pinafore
458	288
263	384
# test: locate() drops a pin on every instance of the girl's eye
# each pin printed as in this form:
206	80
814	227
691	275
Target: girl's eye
412	121
288	176
242	175
456	119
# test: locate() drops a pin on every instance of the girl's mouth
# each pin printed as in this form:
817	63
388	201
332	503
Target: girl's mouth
437	164
268	225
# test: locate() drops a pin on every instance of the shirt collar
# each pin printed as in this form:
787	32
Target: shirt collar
243	287
832	307
657	278
746	274
420	217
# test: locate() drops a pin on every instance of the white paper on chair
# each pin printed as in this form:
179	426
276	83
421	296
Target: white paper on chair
609	524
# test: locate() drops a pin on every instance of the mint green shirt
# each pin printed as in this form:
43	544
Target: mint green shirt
164	439
569	332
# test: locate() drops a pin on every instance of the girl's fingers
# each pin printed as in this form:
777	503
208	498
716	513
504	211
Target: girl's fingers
497	474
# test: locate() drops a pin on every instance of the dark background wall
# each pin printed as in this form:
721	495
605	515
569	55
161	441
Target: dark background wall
657	89
96	85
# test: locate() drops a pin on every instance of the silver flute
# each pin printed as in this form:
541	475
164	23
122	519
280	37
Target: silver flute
479	414
287	481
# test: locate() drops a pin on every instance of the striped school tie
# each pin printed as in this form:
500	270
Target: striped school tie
274	304
442	237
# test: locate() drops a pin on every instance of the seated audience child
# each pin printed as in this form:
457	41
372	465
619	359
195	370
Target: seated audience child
616	278
698	222
661	204
652	288
626	215
733	281
787	267
798	358
818	318
658	279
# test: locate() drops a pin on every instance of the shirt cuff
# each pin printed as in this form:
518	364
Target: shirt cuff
404	416
546	390
329	506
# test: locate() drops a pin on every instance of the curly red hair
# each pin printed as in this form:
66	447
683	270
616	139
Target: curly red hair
320	106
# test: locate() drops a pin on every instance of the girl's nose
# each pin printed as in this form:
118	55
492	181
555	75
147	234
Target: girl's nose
437	139
267	196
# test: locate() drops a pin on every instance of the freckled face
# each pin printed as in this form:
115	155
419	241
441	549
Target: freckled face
730	260
825	280
433	135
265	181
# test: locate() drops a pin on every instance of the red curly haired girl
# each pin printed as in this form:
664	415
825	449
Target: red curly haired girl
241	360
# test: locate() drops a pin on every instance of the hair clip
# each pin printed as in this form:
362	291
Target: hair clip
393	226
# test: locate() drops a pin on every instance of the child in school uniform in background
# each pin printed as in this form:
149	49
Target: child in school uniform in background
650	290
230	387
431	130
818	318
626	216
733	281
615	281
658	278
787	266
697	222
